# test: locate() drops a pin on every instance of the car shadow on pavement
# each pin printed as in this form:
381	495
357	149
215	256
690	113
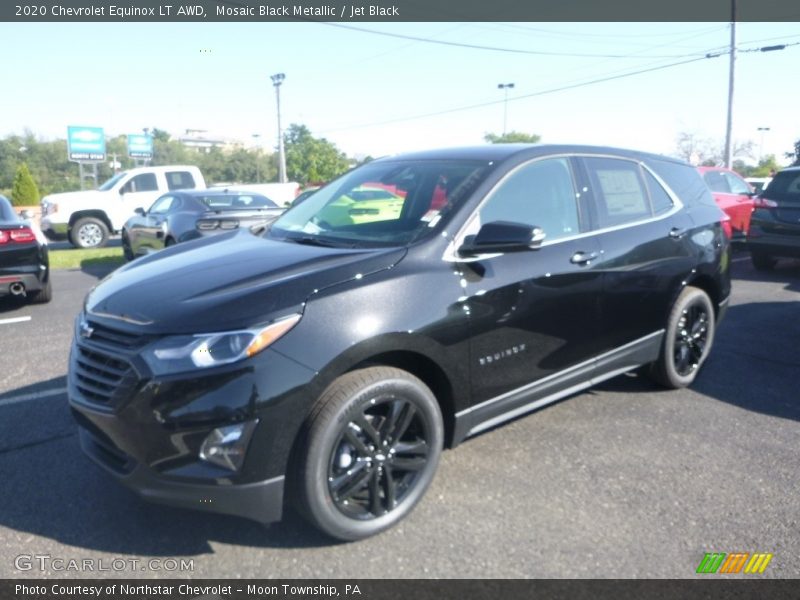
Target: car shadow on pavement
50	489
786	271
759	375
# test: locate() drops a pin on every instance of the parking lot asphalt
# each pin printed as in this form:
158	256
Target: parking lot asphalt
625	480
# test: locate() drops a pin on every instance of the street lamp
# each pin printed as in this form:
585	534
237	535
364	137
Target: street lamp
258	156
505	87
277	80
762	130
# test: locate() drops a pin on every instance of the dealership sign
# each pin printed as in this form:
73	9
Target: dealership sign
140	145
86	144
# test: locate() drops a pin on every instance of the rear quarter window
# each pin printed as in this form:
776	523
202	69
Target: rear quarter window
684	181
785	187
179	180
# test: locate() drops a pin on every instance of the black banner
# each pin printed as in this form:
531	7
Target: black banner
399	10
387	589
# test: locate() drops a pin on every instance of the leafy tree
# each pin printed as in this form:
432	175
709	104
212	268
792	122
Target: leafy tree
513	137
311	159
24	191
795	155
706	152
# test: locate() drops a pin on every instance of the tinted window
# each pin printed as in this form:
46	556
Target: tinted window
541	194
784	187
716	182
163	205
179	180
6	211
236	201
146	182
683	180
736	183
619	191
659	198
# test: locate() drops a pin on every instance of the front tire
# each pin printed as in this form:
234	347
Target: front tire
126	247
89	232
373	444
687	341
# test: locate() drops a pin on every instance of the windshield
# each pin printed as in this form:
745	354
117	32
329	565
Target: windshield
785	187
382	203
112	182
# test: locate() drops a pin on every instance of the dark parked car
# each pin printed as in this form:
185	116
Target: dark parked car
188	215
24	260
775	225
324	367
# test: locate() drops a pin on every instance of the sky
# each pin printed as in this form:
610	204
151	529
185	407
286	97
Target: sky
372	91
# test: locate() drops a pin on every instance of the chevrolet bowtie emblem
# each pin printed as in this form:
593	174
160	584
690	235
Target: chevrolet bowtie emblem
86	330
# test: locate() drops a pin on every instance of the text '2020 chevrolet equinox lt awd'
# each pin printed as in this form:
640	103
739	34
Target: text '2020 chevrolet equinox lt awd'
409	304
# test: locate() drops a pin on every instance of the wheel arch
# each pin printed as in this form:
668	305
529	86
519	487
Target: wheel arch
94	213
710	287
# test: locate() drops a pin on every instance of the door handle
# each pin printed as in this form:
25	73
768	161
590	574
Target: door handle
583	258
675	233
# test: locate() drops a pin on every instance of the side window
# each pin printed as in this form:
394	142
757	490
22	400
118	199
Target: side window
179	180
146	182
620	194
541	194
163	205
659	198
716	182
737	185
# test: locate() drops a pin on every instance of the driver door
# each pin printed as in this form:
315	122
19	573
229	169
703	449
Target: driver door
533	314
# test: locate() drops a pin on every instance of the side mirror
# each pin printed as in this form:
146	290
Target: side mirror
502	236
26	214
140	211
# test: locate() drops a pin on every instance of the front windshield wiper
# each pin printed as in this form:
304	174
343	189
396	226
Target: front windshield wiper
310	240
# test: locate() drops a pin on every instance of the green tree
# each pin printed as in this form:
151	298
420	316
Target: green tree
795	155
24	191
310	159
513	137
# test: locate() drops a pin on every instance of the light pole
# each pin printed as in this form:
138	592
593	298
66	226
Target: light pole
277	80
762	130
505	87
258	157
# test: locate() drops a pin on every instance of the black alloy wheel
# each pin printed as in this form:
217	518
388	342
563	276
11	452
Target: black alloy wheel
374	442
687	340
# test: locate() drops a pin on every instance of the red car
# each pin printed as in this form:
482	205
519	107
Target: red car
733	195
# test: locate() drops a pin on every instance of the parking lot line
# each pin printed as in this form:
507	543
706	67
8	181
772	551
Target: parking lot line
14	320
32	396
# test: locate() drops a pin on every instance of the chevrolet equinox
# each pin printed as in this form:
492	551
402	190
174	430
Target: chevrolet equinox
323	364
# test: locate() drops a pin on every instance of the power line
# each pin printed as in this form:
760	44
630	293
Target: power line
479	47
552	90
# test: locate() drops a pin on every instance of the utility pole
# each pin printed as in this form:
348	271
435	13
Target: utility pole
505	87
729	127
277	80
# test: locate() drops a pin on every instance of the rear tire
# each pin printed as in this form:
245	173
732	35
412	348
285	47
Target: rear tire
126	247
88	232
44	295
373	444
687	340
762	261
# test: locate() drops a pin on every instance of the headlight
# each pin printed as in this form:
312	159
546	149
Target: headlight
180	353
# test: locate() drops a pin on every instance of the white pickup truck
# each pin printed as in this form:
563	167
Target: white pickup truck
87	218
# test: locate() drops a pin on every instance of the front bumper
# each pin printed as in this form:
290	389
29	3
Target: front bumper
54	231
260	501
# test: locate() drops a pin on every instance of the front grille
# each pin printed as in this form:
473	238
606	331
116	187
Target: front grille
101	369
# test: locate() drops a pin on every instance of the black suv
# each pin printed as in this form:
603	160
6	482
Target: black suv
775	225
411	303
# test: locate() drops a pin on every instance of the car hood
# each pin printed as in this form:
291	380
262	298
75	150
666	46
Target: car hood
81	196
226	282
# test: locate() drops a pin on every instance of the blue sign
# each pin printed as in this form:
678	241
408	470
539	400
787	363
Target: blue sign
86	144
140	145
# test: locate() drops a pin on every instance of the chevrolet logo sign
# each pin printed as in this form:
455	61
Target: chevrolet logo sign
85	330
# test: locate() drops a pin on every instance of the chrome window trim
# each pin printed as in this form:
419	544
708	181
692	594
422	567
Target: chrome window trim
451	254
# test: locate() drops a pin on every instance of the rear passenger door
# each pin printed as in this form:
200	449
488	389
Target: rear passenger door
645	251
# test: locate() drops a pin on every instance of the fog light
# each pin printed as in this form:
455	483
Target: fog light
226	446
